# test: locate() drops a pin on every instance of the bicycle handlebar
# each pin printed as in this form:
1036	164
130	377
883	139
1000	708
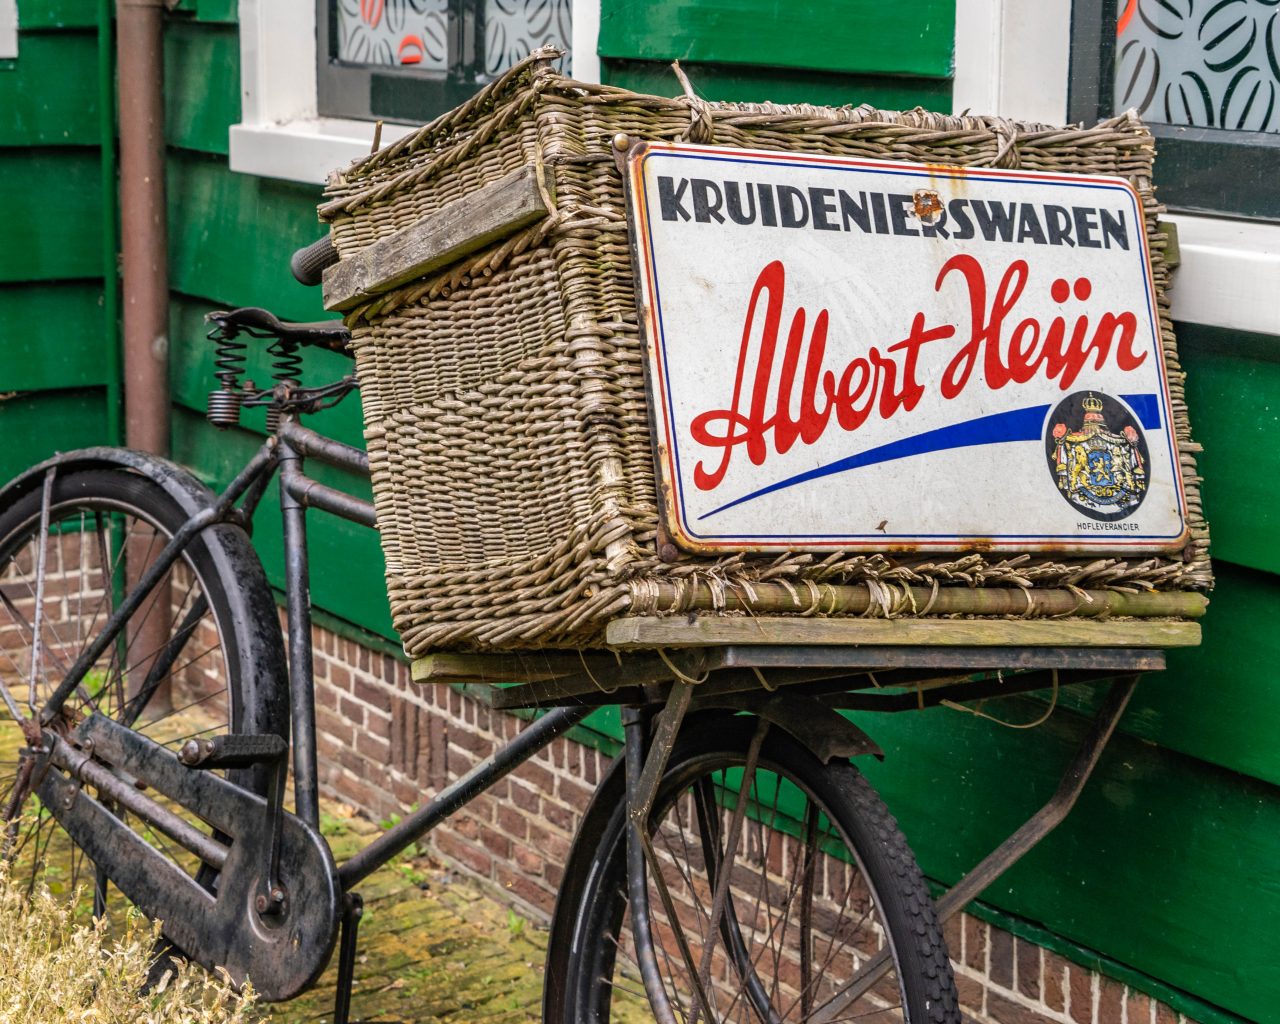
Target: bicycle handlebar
309	262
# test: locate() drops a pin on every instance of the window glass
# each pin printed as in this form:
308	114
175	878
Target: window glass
512	28
1205	63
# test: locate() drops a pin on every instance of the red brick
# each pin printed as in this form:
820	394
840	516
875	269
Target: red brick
559	816
352	711
971	992
377	750
496	843
512	821
1110	1002
952	932
524	797
340	677
1137	1008
467	826
375	696
529	861
1080	984
575	794
1027	955
1006	1011
1055	983
1166	1014
975	944
526	889
537	776
470	857
1001	972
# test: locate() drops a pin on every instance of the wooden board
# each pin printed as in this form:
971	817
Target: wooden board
642	631
436	240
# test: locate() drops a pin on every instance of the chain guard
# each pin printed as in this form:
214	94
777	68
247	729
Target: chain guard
218	926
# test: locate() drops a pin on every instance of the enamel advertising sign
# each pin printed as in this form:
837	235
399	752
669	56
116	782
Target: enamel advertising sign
850	354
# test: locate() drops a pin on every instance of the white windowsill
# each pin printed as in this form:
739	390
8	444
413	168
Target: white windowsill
306	149
1229	275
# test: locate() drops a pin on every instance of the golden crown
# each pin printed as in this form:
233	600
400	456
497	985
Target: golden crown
1092	404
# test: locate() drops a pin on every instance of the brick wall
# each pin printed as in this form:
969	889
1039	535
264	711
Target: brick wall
386	744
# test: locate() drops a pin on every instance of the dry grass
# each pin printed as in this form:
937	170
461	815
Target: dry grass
56	969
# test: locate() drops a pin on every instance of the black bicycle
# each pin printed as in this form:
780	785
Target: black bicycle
733	865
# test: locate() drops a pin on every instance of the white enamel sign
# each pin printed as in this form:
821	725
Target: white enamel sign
851	354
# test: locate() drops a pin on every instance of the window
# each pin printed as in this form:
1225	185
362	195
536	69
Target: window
1205	76
409	60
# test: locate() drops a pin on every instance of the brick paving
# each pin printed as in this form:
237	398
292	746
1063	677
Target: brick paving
433	947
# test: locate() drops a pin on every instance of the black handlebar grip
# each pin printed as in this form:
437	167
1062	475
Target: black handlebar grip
309	262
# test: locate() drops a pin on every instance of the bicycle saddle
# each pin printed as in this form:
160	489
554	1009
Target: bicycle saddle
330	334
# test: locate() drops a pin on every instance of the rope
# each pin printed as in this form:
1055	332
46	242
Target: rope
662	653
1000	721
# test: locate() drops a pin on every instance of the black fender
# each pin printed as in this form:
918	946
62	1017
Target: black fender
265	704
816	726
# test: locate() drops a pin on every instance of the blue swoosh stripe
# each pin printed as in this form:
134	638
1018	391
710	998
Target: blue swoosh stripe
1014	425
1148	409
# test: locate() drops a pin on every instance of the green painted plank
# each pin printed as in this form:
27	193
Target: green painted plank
55	14
866	36
733	82
36	425
202	84
1216	702
231	236
56	231
223	11
218	11
1167	864
1233	394
50	97
51	336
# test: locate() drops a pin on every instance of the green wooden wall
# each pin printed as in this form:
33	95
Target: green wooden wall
56	342
1168	873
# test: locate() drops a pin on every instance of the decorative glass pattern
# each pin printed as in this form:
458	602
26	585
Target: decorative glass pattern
1208	63
514	27
415	33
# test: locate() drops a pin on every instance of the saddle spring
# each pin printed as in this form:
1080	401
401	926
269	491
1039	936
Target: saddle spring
228	360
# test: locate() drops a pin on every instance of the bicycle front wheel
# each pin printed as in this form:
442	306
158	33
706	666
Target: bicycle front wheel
202	654
820	884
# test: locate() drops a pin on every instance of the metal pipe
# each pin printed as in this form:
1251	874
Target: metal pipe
143	222
481	777
327	450
110	215
313	494
306	794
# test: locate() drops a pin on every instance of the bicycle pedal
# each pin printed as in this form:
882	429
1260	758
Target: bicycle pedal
232	750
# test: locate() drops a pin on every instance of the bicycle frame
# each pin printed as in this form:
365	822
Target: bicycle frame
649	739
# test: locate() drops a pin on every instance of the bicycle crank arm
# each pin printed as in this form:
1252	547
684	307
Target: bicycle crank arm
219	925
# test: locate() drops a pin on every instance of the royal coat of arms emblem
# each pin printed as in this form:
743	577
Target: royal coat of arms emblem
1100	471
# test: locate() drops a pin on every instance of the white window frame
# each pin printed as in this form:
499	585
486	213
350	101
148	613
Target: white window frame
281	134
1012	58
8	29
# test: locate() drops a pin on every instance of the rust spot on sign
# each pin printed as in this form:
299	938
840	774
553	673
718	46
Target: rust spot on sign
928	204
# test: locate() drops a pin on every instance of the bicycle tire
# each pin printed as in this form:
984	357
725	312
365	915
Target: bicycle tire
584	972
219	564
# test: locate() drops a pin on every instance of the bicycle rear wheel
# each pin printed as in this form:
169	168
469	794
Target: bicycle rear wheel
821	881
200	656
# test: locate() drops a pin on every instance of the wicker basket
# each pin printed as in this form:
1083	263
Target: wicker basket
504	397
